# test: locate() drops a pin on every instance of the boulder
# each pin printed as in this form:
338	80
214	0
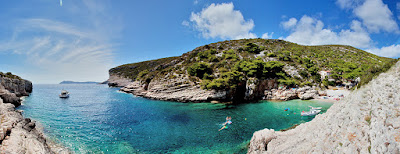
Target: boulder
260	140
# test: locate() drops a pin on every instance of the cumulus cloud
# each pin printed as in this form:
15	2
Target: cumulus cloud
222	21
267	35
311	31
387	51
290	23
374	14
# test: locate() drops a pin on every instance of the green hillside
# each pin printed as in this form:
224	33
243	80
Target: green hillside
9	75
224	65
131	71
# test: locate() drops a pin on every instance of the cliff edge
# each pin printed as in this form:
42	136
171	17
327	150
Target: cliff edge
367	121
19	134
12	88
249	70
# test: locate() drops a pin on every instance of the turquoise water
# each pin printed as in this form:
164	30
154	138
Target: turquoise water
98	119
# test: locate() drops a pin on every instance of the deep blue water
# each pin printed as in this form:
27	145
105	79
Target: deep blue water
98	119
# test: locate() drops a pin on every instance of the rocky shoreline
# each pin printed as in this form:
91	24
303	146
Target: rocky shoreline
367	121
19	134
181	90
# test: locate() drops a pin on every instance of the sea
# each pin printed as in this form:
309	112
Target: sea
99	119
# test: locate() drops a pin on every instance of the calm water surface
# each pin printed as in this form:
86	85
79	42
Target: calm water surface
98	119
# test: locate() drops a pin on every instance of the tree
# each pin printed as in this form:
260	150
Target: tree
252	48
199	69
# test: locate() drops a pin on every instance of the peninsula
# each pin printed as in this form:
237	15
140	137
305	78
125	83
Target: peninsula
75	82
250	70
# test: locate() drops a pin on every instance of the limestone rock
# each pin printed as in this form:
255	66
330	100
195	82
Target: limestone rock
180	90
117	81
366	121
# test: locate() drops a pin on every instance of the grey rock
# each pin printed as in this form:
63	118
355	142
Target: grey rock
366	121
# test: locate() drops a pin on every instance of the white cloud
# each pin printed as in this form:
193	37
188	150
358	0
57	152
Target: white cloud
348	4
267	35
222	21
185	23
376	16
290	23
398	10
388	51
311	31
57	50
61	49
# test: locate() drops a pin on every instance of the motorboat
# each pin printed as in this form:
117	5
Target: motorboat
313	111
64	94
315	108
310	113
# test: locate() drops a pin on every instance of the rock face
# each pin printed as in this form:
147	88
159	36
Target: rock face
117	81
17	134
367	121
303	93
255	88
12	89
173	90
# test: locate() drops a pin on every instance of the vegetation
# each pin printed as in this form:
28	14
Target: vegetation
226	65
131	71
199	69
9	75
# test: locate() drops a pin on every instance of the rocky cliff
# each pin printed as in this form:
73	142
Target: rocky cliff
12	89
247	70
19	134
117	81
367	121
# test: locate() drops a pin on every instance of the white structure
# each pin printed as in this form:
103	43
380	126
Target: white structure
324	74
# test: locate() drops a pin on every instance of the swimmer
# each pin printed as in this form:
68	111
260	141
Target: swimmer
223	127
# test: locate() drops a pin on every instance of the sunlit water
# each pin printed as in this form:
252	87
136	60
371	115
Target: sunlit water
98	119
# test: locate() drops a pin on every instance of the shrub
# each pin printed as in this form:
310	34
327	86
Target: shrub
199	69
142	74
288	82
252	48
271	55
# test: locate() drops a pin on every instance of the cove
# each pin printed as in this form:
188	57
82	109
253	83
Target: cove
98	119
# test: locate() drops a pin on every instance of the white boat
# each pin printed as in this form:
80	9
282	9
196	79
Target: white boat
64	94
315	108
310	113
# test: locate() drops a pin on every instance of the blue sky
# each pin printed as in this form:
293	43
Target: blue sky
47	42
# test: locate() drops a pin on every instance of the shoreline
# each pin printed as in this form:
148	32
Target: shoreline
24	135
19	134
54	146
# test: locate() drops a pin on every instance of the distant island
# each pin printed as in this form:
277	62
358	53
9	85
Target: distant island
74	82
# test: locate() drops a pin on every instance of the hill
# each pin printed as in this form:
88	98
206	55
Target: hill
74	82
245	69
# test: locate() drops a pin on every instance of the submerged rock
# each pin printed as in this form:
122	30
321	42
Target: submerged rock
367	121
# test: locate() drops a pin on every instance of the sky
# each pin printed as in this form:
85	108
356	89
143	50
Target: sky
48	41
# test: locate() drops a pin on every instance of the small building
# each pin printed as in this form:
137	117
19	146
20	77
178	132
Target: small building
324	74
